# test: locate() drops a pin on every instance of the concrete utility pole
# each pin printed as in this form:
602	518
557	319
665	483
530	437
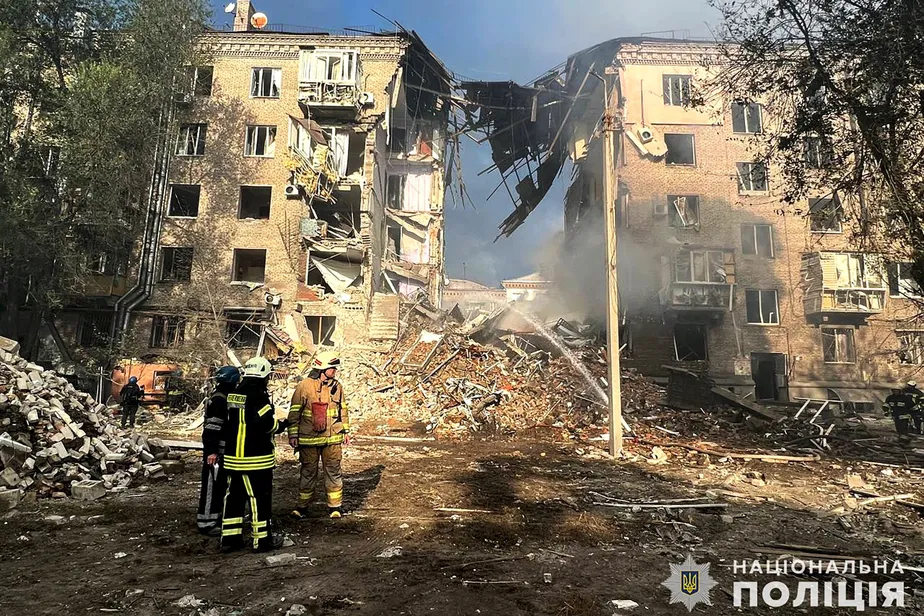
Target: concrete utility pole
612	296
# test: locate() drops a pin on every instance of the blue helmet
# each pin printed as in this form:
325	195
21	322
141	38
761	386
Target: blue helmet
133	380
228	375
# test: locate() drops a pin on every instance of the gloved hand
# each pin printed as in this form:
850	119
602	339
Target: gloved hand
293	441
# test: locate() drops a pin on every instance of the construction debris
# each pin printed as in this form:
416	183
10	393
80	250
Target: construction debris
60	441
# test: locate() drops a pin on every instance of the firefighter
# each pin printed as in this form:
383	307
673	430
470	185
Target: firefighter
131	398
917	408
249	459
214	479
318	426
902	404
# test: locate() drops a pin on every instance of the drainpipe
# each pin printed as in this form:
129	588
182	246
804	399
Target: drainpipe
141	291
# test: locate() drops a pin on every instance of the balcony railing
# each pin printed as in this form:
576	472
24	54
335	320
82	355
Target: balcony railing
329	78
860	299
692	296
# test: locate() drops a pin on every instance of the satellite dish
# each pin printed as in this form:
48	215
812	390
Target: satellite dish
230	7
259	20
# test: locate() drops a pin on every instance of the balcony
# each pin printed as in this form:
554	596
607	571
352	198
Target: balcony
699	280
310	160
842	287
329	80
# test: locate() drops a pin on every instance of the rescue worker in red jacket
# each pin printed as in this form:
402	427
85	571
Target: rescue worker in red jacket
249	459
318	428
214	480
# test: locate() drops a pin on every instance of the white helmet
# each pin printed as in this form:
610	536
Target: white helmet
258	367
325	360
912	383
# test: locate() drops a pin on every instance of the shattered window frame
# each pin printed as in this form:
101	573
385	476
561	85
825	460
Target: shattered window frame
902	285
177	204
237	275
753	177
838	345
242	328
94	329
390	227
167	331
265	82
766	305
826	214
322	328
817	152
751	243
672	159
679	219
747	118
699	264
910	347
191	139
249	193
96	263
347	62
176	263
400	189
690	353
260	141
676	89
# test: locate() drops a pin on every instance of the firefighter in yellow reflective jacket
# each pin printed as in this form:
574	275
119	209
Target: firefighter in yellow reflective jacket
250	456
318	427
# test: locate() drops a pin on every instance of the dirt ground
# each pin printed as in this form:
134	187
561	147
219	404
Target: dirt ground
138	553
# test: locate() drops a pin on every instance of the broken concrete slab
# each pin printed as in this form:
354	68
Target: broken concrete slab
9	499
9	478
88	490
9	345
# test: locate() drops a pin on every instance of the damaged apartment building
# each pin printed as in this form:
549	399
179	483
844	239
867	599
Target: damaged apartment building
302	194
716	274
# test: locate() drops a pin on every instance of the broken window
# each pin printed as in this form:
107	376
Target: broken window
746	118
395	191
902	282
838	345
676	90
817	152
680	149
825	215
690	342
184	200
191	140
398	141
910	348
683	210
167	331
757	240
255	202
242	328
700	266
752	177
249	265
261	141
322	329
176	264
94	329
330	66
393	246
338	138
265	82
762	307
96	264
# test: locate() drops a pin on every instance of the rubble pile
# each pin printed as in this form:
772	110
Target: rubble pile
444	380
56	441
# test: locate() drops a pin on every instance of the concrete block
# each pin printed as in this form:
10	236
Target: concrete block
172	467
9	499
36	379
23	384
88	490
9	478
61	451
7	442
9	345
32	416
280	560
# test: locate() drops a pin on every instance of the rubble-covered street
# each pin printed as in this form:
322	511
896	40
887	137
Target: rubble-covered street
477	482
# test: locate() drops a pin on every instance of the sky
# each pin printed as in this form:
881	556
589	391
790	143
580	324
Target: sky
497	41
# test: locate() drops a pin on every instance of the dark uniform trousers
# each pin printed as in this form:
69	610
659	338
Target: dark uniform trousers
256	488
211	497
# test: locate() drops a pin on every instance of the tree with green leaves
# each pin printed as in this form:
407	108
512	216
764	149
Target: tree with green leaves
85	87
844	83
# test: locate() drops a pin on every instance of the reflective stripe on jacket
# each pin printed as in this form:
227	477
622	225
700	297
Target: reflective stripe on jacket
301	424
249	430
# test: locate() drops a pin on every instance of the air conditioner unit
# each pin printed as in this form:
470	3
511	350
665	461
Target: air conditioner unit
660	209
292	191
272	299
367	99
645	134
